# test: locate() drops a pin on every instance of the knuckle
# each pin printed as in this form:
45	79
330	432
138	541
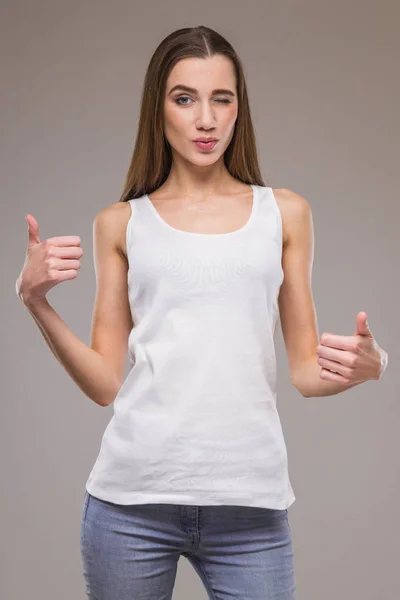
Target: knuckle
50	263
50	273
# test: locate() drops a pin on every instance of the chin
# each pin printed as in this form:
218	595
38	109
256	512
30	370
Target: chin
196	157
204	159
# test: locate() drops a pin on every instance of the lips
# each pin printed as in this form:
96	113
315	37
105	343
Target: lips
203	144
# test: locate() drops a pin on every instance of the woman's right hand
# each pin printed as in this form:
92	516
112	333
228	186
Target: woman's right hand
47	263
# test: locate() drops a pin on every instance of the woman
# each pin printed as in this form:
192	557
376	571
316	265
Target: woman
191	266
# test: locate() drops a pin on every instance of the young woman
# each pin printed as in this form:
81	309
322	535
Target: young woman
192	264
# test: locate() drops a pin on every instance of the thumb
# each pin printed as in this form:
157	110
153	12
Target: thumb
33	230
362	324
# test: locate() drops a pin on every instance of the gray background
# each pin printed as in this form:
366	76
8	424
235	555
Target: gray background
324	90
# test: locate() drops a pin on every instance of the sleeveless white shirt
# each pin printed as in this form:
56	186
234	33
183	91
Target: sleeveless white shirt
195	421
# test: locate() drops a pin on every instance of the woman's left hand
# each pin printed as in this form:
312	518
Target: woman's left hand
351	359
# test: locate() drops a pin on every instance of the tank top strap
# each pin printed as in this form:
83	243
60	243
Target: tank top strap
266	199
138	219
269	217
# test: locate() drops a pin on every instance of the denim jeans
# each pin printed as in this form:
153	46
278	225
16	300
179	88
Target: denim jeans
131	552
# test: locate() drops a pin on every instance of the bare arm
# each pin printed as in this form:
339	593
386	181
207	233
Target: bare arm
304	346
89	369
296	303
97	369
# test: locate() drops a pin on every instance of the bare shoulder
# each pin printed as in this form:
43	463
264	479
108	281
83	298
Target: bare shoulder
111	222
295	211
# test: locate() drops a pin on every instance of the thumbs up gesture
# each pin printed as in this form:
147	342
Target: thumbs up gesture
351	359
46	263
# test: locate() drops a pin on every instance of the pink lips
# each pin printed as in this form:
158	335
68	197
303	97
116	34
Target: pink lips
206	145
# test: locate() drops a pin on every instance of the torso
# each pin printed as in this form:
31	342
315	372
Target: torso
228	214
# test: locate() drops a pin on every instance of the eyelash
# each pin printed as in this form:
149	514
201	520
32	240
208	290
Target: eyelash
220	101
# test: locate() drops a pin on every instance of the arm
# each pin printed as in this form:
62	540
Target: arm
310	384
97	370
296	304
89	369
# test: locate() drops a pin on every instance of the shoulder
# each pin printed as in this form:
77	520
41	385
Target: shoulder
110	223
295	211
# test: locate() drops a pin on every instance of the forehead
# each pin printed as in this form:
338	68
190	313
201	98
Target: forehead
208	71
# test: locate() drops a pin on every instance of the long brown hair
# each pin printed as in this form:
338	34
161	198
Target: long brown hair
152	157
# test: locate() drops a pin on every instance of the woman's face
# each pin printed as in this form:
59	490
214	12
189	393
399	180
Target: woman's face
204	111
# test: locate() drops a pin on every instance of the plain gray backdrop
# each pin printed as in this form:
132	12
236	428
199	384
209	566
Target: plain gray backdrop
323	81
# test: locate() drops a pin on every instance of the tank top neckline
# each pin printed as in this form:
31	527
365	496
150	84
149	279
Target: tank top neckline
207	235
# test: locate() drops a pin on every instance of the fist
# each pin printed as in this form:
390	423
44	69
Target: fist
47	263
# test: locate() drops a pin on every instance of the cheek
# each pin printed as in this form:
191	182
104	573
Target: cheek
175	120
230	117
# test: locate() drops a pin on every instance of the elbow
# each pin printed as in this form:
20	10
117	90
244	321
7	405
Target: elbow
303	393
105	397
106	403
99	400
105	400
109	397
297	384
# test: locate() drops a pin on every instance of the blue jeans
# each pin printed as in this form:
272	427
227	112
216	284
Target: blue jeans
131	552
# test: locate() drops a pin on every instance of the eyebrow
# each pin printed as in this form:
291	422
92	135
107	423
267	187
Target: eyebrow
194	91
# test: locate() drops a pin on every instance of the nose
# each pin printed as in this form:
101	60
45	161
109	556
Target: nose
205	116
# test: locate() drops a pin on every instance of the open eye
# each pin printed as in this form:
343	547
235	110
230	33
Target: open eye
181	98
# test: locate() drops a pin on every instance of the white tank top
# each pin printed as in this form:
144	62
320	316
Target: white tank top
195	421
